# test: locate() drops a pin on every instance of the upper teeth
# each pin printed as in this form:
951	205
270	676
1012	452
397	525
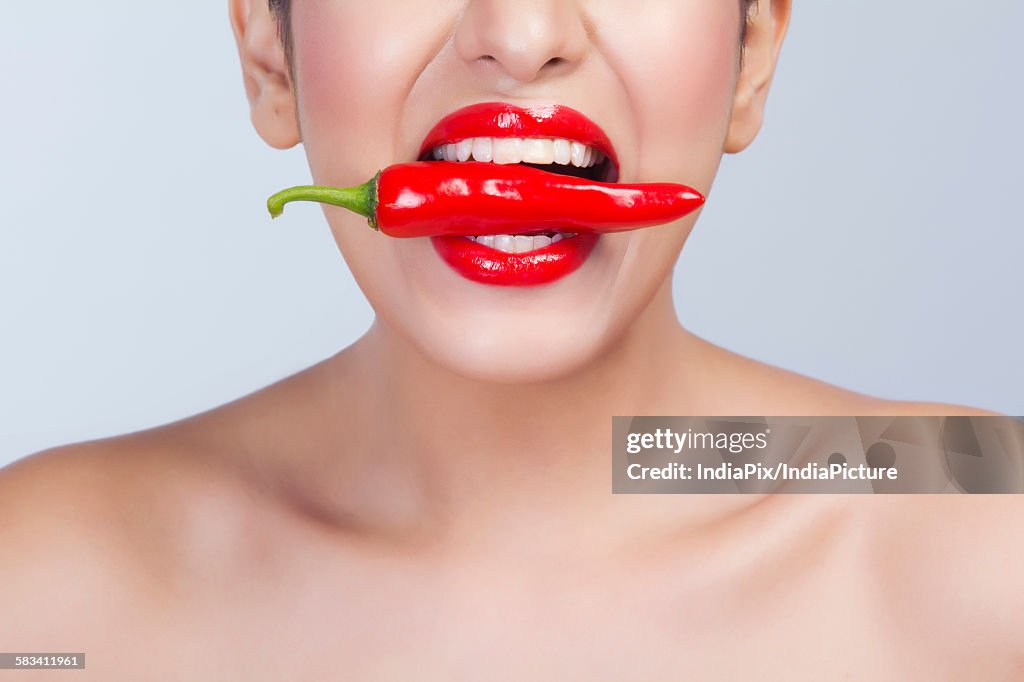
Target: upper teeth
520	243
519	150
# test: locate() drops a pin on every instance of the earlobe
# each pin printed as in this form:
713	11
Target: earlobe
265	72
766	31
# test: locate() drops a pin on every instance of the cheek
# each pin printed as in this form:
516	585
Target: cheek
355	64
678	61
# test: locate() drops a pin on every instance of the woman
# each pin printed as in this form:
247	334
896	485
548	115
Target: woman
432	502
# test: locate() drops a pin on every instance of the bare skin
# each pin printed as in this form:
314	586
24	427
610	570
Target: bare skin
298	534
433	502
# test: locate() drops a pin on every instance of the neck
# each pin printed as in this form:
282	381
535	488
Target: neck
421	442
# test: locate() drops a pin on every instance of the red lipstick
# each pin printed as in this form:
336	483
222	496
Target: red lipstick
471	211
486	265
500	119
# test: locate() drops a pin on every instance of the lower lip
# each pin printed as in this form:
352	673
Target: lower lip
485	265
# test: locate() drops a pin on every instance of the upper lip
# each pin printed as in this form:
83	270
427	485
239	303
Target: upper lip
501	119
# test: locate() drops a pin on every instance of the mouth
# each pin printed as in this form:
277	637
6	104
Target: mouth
551	138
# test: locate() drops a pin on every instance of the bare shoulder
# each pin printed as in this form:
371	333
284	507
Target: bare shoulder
898	408
66	542
98	537
753	384
823	398
137	515
948	567
951	569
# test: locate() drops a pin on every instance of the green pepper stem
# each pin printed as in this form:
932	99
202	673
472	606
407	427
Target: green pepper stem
361	199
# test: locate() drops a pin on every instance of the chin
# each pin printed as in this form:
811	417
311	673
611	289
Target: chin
507	356
513	371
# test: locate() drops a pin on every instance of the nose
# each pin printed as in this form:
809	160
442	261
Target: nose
522	39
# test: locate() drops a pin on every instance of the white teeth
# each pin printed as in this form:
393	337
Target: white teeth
519	243
505	242
507	150
483	149
578	152
464	149
562	153
538	150
523	243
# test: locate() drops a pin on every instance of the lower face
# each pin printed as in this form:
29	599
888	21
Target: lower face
374	78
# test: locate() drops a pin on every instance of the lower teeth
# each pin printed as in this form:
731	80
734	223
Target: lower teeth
520	243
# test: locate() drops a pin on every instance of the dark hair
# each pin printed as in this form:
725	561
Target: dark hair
282	10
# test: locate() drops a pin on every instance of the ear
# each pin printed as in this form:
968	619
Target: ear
766	29
265	71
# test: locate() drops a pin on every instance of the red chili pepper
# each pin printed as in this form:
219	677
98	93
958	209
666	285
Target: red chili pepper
426	199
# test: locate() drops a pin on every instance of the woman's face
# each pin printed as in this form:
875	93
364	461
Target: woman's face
372	78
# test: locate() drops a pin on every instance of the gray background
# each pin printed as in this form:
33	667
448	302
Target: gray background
871	237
